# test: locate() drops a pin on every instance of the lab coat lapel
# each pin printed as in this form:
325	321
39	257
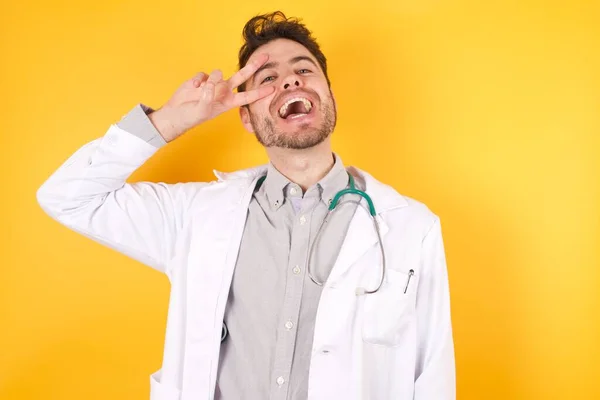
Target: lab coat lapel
361	237
209	281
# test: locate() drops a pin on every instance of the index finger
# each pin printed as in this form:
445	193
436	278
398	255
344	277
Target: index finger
246	73
243	98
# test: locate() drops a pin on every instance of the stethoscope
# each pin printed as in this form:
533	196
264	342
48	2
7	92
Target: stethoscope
332	207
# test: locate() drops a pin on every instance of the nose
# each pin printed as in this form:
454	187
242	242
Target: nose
292	81
288	84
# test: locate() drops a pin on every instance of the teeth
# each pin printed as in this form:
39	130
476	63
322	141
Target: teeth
284	107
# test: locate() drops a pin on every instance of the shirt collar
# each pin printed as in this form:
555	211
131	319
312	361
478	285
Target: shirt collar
335	180
275	184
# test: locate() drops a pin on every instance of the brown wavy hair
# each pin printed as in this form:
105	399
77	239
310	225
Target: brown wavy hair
264	28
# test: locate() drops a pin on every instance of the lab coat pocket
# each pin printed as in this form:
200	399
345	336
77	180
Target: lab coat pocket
388	313
162	391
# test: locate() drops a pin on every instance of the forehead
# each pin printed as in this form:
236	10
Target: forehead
281	50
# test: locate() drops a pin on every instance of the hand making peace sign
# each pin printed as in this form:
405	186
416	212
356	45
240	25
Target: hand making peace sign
204	97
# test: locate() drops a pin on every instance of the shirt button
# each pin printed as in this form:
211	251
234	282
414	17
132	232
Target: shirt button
302	220
293	191
296	270
280	381
289	325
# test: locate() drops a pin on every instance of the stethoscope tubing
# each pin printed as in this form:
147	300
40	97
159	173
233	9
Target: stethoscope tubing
332	208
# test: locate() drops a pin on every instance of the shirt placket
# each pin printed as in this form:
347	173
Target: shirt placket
288	320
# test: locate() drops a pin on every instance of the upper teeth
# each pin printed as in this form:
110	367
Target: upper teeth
284	107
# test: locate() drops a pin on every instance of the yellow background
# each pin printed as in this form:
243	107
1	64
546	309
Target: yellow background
486	111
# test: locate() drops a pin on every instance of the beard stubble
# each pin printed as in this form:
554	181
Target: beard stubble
303	138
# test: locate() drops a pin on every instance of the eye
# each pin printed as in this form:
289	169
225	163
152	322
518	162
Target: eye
268	79
304	71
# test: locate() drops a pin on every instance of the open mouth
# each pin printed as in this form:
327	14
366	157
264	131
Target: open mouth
295	108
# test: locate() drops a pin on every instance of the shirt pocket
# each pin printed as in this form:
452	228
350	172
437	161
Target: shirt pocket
389	313
162	391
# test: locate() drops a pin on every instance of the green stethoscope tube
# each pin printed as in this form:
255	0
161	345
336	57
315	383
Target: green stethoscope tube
332	207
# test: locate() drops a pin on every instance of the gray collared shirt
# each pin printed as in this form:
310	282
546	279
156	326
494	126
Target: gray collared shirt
272	304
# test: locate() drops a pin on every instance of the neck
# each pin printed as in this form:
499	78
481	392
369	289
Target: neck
303	167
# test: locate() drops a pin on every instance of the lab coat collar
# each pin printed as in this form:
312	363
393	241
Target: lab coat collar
385	198
360	236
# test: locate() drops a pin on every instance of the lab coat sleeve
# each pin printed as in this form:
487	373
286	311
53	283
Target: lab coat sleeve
89	194
435	377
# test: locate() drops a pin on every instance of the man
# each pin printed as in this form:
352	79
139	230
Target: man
259	309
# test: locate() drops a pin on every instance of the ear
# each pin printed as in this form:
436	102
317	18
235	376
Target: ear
245	117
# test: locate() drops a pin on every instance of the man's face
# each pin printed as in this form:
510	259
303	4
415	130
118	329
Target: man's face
301	111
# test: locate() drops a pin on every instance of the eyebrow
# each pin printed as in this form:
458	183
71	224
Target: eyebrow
302	58
273	64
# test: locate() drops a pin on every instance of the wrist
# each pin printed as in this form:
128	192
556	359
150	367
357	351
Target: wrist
164	124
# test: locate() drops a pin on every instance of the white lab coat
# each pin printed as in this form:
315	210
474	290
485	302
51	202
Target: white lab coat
388	345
